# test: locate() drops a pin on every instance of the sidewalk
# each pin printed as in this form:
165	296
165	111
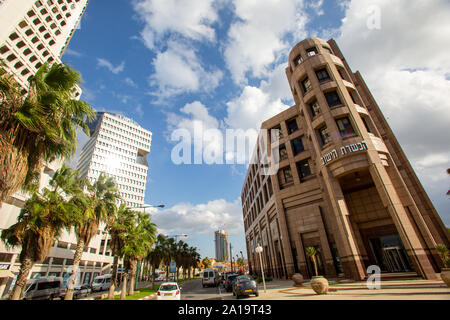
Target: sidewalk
349	290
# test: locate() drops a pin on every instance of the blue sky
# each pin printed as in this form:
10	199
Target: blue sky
169	64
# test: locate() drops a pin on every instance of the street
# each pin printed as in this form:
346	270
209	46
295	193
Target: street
193	290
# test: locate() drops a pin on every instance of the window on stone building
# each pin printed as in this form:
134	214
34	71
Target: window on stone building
285	177
315	108
345	127
297	146
304	170
306	85
322	75
332	99
324	135
292	125
311	52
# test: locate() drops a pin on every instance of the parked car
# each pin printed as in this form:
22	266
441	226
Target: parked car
210	278
244	286
44	288
169	291
228	284
82	291
101	283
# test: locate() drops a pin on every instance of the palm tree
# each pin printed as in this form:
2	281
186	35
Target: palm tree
94	206
206	262
40	222
38	125
311	252
181	251
169	250
118	229
155	256
138	243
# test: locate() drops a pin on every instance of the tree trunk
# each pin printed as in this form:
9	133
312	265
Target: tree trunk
113	278
133	265
21	281
153	277
13	165
76	263
315	264
123	292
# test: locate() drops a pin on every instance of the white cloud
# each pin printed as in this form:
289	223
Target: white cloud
178	70
316	5
200	218
256	39
130	82
191	19
405	64
251	108
196	119
70	52
105	63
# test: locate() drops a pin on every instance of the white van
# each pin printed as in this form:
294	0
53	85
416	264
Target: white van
44	288
101	283
210	278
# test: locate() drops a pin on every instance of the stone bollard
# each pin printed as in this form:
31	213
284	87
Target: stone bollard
298	280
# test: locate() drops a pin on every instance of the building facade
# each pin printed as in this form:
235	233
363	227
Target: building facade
118	147
343	186
32	33
221	241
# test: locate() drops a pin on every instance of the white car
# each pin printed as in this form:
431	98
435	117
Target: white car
168	291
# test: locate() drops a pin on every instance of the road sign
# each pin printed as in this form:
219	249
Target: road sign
172	267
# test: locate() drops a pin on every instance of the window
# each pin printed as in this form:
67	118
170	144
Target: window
365	124
352	96
324	135
315	108
306	85
285	177
311	52
332	99
322	75
292	125
283	152
297	146
327	50
345	127
297	60
276	133
4	49
304	170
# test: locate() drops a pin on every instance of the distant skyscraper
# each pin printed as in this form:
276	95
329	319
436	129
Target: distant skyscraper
118	147
34	32
221	240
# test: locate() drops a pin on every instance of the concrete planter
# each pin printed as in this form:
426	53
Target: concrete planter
319	284
445	275
298	279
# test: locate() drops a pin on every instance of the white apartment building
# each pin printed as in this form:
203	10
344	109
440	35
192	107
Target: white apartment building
118	147
32	33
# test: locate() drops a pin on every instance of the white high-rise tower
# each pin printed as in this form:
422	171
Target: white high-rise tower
34	32
118	147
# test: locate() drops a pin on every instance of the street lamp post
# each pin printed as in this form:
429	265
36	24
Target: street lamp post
259	250
139	264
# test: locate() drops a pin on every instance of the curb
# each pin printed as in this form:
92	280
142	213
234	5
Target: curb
150	297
